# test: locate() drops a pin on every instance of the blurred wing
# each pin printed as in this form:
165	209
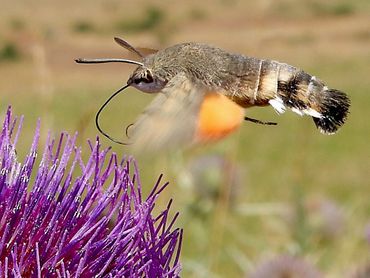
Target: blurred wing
170	121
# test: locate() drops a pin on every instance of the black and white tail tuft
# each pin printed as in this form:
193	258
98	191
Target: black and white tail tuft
306	95
334	107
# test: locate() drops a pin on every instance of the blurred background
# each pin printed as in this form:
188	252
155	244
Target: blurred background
264	192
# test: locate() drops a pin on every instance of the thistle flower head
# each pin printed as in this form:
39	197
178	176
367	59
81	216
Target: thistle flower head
57	223
362	272
326	217
285	267
367	233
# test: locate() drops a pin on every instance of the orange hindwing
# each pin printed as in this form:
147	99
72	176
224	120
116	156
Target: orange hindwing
218	117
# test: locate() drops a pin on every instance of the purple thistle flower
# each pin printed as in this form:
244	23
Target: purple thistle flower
55	224
362	272
326	217
367	233
285	266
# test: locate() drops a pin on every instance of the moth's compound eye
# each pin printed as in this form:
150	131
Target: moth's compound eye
137	80
146	82
148	78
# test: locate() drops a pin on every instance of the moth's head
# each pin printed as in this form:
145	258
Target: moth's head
146	77
144	80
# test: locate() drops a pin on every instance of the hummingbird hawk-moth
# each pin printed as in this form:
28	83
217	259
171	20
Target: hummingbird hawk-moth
202	92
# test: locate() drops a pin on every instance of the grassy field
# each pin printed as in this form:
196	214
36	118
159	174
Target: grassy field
264	191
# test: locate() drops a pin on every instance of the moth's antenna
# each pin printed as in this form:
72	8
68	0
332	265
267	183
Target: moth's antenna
109	60
101	109
128	46
258	121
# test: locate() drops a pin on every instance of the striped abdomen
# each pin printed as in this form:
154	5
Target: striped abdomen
281	85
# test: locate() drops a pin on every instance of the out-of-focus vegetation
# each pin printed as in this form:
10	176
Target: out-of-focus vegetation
83	26
151	18
263	192
9	52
